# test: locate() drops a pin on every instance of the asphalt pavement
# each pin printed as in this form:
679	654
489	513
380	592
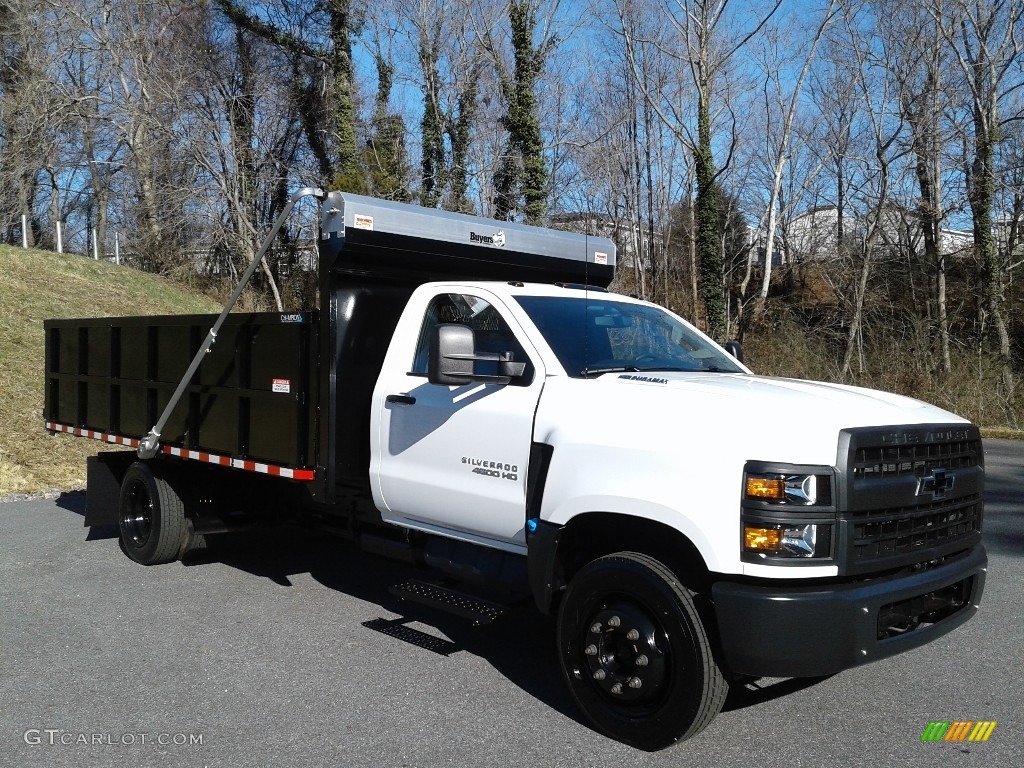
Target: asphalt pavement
269	651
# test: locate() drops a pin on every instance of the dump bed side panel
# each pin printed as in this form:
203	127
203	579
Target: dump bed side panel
252	397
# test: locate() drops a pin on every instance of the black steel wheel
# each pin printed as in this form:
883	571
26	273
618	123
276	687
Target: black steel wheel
151	516
635	654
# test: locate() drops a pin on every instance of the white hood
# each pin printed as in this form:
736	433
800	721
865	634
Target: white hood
672	446
759	413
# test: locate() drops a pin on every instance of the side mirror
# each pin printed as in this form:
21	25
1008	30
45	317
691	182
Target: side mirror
453	352
450	360
735	349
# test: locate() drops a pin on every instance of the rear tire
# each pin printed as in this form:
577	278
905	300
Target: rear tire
151	516
635	653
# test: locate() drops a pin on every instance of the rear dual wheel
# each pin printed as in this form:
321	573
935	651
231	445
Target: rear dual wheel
635	654
151	516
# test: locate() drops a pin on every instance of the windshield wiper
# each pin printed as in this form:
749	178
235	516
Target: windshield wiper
668	368
709	369
588	372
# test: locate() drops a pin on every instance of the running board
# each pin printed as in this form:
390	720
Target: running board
475	609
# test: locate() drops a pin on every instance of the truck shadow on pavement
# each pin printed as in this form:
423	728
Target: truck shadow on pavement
750	692
519	644
74	501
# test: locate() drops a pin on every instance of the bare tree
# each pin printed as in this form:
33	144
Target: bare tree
920	67
318	36
523	173
986	38
706	37
27	115
778	141
869	49
242	134
137	43
448	55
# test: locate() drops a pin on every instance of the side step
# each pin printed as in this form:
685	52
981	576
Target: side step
476	609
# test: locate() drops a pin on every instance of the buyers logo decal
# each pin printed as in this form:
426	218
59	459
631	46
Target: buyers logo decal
958	730
497	239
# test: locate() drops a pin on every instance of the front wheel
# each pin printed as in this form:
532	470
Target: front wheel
151	516
635	654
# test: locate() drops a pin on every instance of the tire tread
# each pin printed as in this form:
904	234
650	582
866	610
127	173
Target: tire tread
169	526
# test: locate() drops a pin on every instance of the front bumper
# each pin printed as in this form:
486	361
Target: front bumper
770	631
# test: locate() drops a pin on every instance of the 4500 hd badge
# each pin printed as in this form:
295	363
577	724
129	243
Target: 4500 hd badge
492	468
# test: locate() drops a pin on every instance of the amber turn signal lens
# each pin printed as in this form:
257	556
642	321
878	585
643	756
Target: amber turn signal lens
766	488
762	539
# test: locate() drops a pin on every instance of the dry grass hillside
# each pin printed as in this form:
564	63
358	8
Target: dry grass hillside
34	286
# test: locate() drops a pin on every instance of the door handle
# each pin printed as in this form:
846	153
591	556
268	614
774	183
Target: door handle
400	399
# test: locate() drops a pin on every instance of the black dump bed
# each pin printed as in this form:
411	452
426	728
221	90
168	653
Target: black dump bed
293	390
251	399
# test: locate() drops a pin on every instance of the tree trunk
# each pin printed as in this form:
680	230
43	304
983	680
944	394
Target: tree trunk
346	157
853	334
709	253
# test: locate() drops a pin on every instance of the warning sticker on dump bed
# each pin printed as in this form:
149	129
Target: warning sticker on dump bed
362	222
282	385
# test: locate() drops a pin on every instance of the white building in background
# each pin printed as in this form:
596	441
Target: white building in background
814	235
955	242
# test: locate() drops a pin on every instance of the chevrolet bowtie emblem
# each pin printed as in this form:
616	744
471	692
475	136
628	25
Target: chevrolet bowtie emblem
937	483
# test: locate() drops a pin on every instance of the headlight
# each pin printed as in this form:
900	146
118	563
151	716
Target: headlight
792	489
781	540
787	513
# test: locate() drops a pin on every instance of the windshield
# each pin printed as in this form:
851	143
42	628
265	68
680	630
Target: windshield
599	335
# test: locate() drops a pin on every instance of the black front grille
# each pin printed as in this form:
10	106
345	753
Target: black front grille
909	495
909	530
917	460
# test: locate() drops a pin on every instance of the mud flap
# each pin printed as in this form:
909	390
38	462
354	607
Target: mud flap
103	474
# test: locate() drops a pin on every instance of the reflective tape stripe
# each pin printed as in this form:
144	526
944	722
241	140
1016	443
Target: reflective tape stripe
184	453
114	439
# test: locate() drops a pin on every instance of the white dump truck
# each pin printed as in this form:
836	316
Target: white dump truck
469	397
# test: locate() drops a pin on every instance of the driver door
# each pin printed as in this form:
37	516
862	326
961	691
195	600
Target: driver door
453	459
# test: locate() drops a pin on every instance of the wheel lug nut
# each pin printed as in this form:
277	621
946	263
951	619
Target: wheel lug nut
641	660
591	650
599	674
596	627
617	688
632	635
614	621
635	682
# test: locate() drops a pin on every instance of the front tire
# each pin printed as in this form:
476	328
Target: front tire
635	653
151	516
